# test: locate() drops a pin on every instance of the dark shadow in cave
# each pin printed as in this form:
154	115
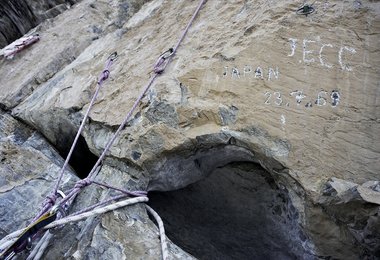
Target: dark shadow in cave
237	212
82	159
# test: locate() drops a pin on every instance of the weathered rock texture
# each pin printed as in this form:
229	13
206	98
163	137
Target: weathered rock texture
252	82
18	17
28	169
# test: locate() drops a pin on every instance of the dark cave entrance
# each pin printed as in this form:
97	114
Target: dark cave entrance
82	159
237	212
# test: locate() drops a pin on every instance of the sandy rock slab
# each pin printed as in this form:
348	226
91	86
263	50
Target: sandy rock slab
63	39
242	66
17	18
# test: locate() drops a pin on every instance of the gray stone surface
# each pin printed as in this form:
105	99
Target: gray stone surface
356	207
252	82
28	169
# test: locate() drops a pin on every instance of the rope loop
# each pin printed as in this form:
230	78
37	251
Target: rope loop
162	61
51	199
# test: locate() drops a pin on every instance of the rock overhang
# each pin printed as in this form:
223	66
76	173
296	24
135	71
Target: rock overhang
284	87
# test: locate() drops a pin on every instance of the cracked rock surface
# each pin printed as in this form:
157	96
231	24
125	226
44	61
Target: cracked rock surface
254	89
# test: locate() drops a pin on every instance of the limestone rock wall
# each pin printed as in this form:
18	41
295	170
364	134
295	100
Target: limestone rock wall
297	94
319	83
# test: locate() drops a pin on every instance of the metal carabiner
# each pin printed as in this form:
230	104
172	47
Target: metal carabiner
61	193
113	56
167	53
161	62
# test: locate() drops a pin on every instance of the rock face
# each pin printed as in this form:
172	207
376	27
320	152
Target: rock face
29	166
18	17
284	108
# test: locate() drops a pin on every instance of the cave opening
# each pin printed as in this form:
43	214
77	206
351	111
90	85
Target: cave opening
238	211
82	160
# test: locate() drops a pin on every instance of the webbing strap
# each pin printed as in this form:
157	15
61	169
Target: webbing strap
22	242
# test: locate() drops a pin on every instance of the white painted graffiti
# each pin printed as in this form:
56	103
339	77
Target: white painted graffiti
321	100
335	97
277	96
342	64
298	96
306	52
251	72
309	55
293	45
321	60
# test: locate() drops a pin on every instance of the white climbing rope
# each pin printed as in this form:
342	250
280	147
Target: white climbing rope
39	249
96	211
164	247
11	238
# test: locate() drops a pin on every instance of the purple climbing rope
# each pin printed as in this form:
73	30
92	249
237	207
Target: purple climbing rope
164	58
159	67
128	193
102	203
51	199
188	26
76	190
103	76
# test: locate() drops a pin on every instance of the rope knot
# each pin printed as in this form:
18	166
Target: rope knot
82	183
162	61
50	200
105	74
